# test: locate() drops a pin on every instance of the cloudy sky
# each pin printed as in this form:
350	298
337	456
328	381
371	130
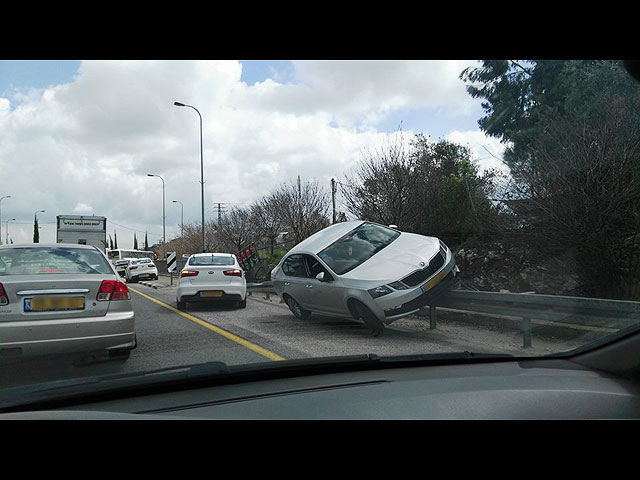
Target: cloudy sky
80	137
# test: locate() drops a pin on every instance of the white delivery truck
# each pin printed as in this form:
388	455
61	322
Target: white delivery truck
82	229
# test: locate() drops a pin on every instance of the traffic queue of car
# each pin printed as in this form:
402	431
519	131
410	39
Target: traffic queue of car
67	298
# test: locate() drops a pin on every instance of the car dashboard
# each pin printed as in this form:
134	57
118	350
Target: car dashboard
488	390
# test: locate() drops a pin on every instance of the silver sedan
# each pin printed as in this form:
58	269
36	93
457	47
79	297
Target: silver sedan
365	271
63	298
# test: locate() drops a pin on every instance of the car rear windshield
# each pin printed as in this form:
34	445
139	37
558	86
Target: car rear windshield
47	260
357	246
212	260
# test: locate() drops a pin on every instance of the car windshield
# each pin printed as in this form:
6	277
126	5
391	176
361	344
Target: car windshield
314	209
357	247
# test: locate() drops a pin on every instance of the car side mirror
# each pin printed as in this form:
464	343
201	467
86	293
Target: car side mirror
320	276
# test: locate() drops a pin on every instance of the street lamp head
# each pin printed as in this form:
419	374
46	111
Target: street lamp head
178	104
150	175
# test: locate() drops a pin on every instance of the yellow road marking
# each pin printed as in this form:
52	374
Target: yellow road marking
251	346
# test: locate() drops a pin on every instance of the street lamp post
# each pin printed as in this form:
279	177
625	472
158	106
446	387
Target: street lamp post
178	104
2	198
6	225
181	217
164	237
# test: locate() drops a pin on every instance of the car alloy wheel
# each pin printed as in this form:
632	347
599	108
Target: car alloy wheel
297	310
370	320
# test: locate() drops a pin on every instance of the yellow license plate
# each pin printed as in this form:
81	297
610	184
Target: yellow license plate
211	293
48	304
434	281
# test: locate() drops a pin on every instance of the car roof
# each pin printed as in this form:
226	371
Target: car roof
319	240
48	245
213	254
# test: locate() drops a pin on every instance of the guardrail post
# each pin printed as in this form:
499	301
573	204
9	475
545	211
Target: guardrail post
526	332
432	317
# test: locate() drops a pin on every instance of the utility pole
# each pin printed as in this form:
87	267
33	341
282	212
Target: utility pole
220	210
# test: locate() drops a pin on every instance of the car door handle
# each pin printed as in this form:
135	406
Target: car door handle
287	283
309	286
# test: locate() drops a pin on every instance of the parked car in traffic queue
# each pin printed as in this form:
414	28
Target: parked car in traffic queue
141	269
363	270
60	299
121	266
211	277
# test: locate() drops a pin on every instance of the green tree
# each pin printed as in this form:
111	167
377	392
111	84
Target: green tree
36	230
572	130
146	242
135	241
115	239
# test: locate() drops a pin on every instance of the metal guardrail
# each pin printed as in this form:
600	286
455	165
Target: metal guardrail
560	310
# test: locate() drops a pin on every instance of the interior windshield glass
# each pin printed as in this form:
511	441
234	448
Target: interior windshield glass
261	211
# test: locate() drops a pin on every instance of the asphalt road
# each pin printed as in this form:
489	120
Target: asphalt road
264	331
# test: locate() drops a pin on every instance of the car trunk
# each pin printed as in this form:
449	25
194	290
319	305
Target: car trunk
142	269
210	275
54	296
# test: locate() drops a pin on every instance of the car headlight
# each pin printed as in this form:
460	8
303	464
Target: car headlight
380	291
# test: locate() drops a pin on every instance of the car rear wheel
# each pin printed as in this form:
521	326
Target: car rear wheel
181	305
365	314
297	310
242	303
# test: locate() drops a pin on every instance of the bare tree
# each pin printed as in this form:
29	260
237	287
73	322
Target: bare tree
237	230
267	219
303	208
383	188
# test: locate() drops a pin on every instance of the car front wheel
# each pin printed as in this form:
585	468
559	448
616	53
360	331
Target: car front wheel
297	310
367	316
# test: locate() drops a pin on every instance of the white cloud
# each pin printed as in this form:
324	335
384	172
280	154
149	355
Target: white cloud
87	146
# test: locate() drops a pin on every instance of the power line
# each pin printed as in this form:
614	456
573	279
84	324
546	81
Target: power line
133	229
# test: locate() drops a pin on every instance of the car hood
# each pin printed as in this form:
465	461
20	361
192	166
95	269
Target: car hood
398	259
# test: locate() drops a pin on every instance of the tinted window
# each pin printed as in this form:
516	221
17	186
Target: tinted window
46	260
357	246
212	260
294	266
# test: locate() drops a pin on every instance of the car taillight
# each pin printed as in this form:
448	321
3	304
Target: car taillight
233	273
189	273
4	298
132	268
112	290
151	265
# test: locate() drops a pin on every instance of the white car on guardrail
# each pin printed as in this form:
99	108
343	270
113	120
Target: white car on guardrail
363	270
